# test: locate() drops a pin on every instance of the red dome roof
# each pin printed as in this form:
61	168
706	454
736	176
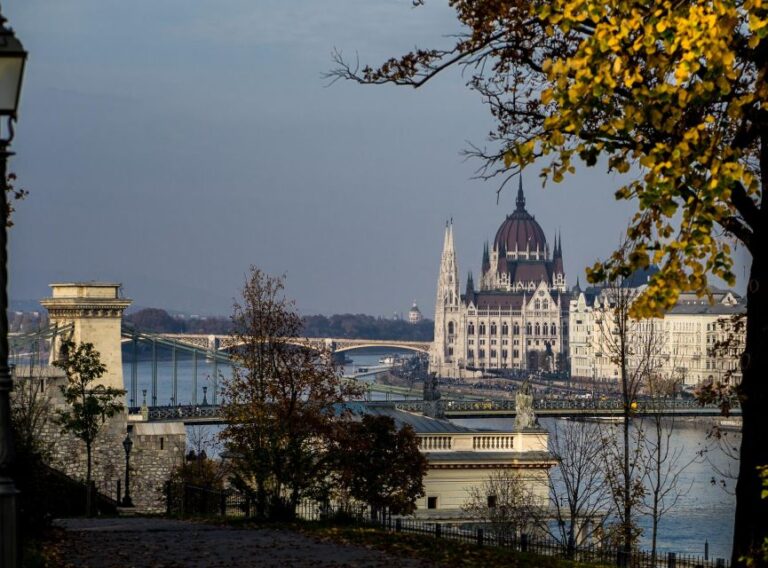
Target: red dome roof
520	230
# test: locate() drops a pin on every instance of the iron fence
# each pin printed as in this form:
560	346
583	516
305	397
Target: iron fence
191	501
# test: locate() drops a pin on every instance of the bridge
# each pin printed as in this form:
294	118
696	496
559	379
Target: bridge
608	409
194	363
225	343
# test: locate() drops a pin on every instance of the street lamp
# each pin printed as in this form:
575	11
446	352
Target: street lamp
127	445
12	59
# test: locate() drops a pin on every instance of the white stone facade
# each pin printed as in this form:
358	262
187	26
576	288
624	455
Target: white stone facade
689	336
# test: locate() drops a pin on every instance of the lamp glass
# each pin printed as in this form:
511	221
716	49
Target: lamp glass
11	69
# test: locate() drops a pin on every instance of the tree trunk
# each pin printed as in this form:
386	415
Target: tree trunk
88	484
751	522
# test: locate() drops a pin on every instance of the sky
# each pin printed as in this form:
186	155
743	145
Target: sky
169	145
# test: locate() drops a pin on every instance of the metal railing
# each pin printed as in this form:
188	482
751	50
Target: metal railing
192	501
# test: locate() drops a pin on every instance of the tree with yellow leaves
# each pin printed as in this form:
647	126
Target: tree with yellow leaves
674	89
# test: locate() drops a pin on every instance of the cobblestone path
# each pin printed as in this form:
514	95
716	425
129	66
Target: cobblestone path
164	543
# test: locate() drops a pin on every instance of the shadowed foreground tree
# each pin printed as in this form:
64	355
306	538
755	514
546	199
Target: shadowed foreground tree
88	406
381	465
281	402
674	90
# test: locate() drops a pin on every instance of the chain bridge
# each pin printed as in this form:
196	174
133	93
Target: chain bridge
185	370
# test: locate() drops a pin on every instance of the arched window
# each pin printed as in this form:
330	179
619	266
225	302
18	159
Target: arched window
544	329
537	305
504	329
470	353
528	329
482	329
493	328
545	305
553	328
471	329
516	329
450	328
537	329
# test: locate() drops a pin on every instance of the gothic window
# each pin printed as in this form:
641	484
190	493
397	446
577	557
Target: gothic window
471	329
493	328
504	329
528	328
545	305
470	353
450	351
537	329
516	353
504	353
450	328
481	353
482	329
544	329
493	353
537	305
516	329
553	328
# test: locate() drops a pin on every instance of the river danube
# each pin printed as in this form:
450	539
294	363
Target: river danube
704	513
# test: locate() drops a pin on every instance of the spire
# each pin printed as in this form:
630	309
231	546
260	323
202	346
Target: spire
445	238
486	258
450	235
577	289
520	202
470	287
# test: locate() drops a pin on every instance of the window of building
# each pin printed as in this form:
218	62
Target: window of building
516	353
491	501
537	305
481	353
431	502
528	328
493	353
553	329
493	328
450	328
470	353
544	329
537	329
504	354
504	329
482	329
471	329
450	351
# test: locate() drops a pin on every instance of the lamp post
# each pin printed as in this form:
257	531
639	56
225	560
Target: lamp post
12	59
127	445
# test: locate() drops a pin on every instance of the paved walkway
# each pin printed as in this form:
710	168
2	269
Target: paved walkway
163	543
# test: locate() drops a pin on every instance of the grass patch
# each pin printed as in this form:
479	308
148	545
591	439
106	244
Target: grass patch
443	552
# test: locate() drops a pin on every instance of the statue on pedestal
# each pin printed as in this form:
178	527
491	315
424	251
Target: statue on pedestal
524	415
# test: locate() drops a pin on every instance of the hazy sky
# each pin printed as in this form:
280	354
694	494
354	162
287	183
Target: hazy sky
170	144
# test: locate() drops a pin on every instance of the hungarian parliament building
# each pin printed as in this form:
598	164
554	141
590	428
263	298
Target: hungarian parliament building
522	316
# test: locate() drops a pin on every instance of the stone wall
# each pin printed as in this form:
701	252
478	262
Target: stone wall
157	449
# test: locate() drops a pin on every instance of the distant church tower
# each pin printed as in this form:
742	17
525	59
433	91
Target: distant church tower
447	304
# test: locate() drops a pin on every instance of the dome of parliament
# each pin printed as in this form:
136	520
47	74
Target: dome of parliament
520	230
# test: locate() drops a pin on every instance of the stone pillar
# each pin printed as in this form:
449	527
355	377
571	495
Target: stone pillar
96	310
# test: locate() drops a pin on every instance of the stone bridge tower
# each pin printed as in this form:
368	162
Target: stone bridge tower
95	311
